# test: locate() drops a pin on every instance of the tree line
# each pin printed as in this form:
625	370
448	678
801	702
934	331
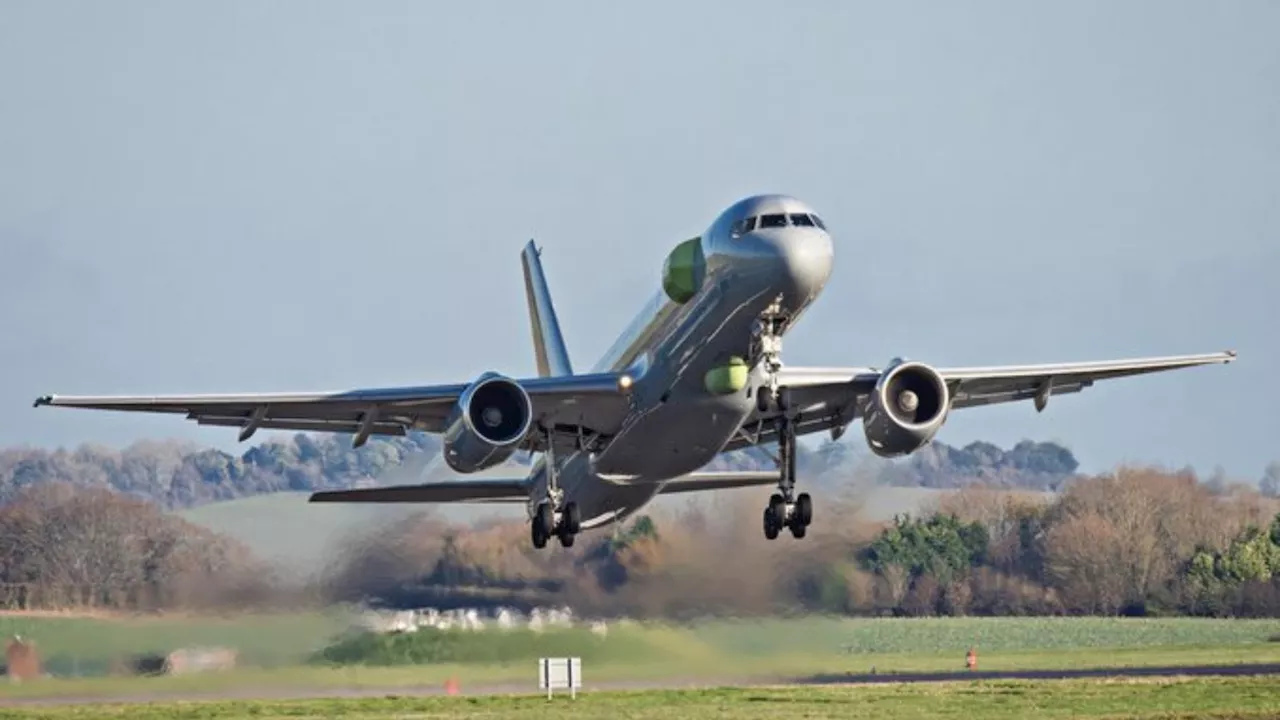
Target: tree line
1133	542
178	475
91	527
64	546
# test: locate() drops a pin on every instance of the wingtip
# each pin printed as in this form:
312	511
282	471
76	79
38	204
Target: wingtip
43	400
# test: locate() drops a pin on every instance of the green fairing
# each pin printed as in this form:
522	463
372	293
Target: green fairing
727	379
683	270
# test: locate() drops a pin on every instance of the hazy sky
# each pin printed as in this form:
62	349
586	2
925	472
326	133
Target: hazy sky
226	196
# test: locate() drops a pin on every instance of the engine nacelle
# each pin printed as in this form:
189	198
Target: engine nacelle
907	408
486	426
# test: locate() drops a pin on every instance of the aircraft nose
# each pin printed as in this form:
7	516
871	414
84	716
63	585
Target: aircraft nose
805	259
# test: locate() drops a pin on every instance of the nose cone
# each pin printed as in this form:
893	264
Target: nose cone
803	258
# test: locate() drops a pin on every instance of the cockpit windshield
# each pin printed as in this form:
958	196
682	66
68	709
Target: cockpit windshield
744	226
777	220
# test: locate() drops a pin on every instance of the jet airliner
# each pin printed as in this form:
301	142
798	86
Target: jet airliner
697	373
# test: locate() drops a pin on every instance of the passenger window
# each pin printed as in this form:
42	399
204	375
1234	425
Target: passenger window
744	226
801	220
772	221
818	221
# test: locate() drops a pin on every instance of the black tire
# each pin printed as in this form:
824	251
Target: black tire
566	539
770	527
537	536
797	530
777	511
804	509
572	519
784	399
545	518
762	400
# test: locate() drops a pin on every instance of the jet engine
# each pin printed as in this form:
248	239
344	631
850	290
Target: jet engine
907	408
486	426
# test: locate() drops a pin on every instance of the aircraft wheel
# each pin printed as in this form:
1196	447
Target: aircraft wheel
778	506
770	527
784	398
572	519
797	530
545	519
566	539
804	509
776	514
539	538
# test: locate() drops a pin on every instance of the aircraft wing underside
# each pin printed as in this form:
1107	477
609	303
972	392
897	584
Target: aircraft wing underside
513	490
487	490
831	398
590	404
719	480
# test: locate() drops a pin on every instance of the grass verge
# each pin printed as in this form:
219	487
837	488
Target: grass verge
1166	697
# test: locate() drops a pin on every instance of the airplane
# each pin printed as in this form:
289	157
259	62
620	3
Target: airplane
697	373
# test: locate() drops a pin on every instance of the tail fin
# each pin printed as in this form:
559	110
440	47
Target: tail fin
548	345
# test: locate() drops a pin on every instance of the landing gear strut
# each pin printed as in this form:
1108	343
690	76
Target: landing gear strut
786	509
553	517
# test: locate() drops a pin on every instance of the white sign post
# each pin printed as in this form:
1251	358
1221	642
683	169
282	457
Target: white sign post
560	674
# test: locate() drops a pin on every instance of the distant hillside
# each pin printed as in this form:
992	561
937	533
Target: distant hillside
286	530
179	475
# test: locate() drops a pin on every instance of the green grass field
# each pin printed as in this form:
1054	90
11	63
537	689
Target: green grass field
275	650
1164	698
86	646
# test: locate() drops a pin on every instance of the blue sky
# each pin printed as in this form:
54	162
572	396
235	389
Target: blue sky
275	196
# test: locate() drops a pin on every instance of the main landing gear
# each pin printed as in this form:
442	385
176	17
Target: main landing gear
553	517
786	509
548	523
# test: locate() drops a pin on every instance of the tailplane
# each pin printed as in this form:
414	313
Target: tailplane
548	345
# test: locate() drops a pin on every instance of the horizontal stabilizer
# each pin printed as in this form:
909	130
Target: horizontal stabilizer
699	481
489	490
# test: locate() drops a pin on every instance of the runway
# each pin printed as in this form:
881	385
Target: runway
285	693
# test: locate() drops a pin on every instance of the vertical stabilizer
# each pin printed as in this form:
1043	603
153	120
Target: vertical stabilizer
548	345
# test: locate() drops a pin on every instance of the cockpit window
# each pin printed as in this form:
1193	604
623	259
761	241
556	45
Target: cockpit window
801	220
744	226
773	221
818	221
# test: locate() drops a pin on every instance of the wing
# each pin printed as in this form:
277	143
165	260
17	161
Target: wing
593	404
492	490
700	481
831	398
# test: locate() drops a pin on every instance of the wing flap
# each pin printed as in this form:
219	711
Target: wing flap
489	490
719	480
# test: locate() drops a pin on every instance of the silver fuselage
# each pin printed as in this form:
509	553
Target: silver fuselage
676	426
